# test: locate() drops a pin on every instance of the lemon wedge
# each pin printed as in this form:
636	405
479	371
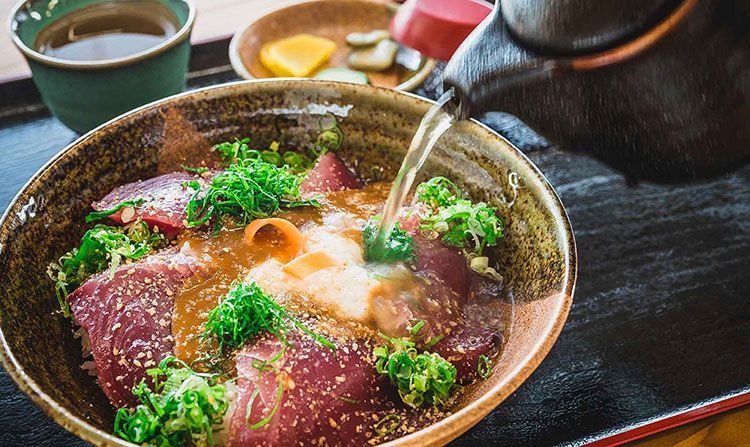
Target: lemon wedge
296	56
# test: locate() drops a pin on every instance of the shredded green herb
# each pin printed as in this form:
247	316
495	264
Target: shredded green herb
246	311
379	428
397	341
102	247
180	408
420	378
267	419
398	247
248	190
484	369
96	215
460	222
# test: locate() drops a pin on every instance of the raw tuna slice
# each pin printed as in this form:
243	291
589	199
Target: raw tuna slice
436	258
463	347
326	401
166	199
128	318
329	175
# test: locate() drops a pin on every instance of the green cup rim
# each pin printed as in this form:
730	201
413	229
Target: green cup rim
182	34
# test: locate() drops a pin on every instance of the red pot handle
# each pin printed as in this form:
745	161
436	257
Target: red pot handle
437	27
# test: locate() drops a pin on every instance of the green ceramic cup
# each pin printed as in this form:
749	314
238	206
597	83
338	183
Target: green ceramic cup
84	94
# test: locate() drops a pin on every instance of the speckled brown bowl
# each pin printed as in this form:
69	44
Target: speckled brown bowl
537	256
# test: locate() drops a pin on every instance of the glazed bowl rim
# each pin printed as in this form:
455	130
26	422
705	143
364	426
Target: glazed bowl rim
242	71
180	35
438	433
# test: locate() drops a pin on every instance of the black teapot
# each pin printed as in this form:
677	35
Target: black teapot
659	89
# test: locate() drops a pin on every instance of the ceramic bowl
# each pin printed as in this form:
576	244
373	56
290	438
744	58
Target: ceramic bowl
84	94
332	19
537	256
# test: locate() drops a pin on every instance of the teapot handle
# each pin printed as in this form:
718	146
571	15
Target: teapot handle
488	63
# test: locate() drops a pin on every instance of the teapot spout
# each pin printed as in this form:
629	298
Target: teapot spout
489	64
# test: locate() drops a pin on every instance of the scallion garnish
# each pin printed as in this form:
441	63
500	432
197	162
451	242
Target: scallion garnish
102	247
484	369
181	408
96	215
460	222
416	329
247	190
267	419
381	431
397	341
246	311
419	378
398	247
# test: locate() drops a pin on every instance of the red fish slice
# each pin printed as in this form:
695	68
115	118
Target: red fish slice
128	318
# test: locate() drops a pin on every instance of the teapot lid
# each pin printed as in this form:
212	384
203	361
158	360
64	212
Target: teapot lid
579	26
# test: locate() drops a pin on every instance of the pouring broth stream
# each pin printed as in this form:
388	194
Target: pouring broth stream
435	123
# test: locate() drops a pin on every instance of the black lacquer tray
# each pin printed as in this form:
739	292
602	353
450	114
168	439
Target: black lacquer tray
659	332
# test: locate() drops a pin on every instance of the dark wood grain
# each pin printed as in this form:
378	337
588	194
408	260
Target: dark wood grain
660	321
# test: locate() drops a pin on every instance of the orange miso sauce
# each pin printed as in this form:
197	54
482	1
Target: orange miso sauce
230	257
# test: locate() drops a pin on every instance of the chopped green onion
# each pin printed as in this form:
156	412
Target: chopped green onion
378	427
484	369
417	331
95	215
419	378
267	419
397	340
460	222
180	410
102	247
